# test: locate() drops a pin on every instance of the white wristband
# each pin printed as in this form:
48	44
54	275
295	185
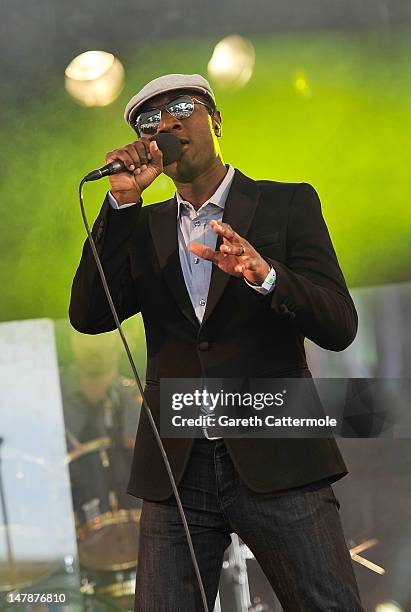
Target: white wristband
269	281
268	284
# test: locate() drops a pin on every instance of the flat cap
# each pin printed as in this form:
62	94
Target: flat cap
162	84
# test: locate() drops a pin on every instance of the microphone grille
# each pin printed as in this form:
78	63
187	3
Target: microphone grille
170	146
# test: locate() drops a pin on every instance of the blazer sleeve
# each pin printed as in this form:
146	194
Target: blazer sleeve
89	311
310	289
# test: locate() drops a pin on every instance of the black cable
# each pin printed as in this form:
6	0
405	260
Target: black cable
145	404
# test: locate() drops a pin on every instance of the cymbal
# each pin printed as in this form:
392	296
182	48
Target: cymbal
96	444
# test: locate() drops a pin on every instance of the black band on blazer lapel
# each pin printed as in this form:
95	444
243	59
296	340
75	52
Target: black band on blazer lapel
239	211
163	227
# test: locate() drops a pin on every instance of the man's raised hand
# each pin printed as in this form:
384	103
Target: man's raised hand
236	256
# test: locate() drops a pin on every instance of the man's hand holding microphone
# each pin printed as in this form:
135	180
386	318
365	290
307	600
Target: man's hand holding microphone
144	161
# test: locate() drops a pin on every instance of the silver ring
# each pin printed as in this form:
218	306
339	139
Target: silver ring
243	250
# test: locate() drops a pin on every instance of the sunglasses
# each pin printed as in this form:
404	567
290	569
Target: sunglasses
180	108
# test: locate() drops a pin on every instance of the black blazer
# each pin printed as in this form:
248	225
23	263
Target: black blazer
242	334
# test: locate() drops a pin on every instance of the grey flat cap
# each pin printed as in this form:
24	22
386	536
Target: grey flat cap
162	84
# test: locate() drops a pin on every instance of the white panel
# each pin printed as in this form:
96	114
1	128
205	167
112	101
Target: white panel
35	475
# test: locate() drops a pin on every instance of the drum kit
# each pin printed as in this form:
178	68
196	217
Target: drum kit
107	524
107	531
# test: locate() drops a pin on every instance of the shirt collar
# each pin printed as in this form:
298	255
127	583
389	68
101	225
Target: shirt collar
218	198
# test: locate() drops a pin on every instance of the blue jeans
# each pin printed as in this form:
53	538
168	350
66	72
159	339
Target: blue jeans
296	537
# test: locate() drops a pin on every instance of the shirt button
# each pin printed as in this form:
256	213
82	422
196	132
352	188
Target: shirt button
202	303
196	260
197	223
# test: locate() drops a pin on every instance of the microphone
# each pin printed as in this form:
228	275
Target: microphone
170	147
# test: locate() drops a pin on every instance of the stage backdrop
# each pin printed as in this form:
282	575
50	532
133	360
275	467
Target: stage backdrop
332	109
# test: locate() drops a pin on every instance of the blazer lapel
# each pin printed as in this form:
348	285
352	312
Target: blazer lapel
239	211
163	227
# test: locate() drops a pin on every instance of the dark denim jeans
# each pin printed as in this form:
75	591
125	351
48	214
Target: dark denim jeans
296	536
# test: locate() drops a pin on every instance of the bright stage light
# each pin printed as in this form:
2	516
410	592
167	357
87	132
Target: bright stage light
232	62
94	78
388	606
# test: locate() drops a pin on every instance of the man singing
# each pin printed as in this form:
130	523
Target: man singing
230	275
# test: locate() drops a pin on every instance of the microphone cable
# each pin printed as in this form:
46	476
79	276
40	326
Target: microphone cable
145	404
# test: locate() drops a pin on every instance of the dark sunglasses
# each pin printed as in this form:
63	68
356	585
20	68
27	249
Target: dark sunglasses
180	108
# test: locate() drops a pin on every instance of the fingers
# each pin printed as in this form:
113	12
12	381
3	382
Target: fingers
226	231
223	229
156	155
203	251
135	156
233	243
122	155
237	249
250	263
141	155
247	263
